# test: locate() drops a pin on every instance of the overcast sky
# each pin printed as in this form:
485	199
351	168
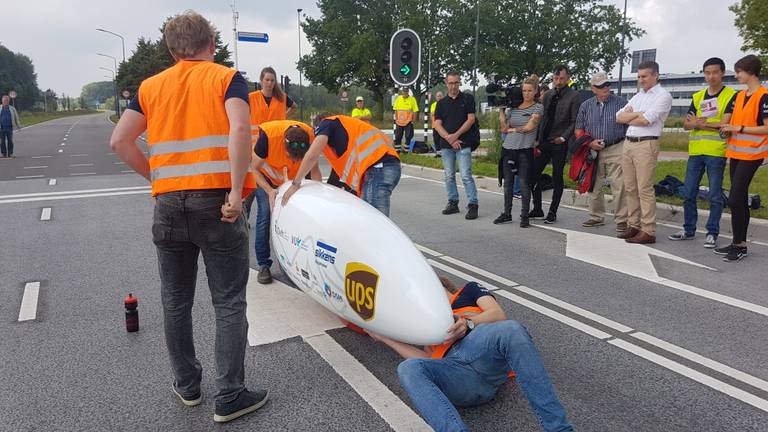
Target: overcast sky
61	39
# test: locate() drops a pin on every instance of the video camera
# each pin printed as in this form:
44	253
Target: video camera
513	95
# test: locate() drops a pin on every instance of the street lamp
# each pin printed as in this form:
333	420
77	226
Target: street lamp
117	101
114	84
301	102
621	58
115	34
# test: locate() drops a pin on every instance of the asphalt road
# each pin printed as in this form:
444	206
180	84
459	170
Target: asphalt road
633	342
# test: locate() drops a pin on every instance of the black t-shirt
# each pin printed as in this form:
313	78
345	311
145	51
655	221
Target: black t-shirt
762	112
262	145
729	105
469	295
288	101
453	113
338	138
238	88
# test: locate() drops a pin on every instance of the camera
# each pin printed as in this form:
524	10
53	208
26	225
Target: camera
513	95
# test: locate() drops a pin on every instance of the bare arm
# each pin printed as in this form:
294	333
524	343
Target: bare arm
531	125
239	144
315	173
310	160
466	125
492	312
405	350
123	141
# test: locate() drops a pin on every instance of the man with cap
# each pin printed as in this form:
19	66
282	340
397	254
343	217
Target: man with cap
597	117
405	108
360	112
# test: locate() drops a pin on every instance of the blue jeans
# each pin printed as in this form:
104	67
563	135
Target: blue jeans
263	213
715	168
465	167
474	369
185	224
378	184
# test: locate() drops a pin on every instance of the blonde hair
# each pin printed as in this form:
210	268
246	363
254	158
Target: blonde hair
532	80
187	34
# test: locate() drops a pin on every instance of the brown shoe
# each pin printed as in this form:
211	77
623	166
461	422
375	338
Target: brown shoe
592	222
621	227
642	238
628	233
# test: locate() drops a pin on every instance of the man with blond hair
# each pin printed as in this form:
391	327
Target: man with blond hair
196	117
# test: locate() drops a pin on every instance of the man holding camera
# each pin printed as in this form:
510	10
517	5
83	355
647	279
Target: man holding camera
597	117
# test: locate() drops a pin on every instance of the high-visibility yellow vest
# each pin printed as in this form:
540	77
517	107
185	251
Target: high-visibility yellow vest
709	142
357	112
404	108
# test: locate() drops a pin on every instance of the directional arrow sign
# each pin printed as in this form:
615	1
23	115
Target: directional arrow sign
405	70
252	37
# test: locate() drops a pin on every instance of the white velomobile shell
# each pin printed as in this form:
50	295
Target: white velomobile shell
356	262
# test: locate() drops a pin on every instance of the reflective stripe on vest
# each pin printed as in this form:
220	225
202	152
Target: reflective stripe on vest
747	146
706	142
366	146
402	118
192	152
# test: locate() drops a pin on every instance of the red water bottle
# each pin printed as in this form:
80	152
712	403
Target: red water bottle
131	313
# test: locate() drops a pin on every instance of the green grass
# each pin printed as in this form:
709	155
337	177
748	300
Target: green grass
485	167
29	118
114	118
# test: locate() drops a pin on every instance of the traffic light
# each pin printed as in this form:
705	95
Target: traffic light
405	57
287	84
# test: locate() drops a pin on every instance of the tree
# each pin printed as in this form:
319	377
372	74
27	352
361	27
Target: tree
152	57
752	22
96	93
18	73
519	38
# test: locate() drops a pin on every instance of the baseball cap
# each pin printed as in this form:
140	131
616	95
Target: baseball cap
599	79
359	98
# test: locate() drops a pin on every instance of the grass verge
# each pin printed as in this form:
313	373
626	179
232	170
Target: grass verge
485	167
29	118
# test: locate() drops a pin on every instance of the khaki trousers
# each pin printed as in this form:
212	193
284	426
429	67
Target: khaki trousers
609	167
639	166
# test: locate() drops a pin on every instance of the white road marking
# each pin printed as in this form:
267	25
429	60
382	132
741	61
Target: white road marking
481	272
82	174
79	155
459	273
65	138
711	364
81	165
81	191
75	196
127	171
30	176
393	410
63	144
37	167
40	157
28	310
695	375
52	182
427	250
61	151
45	215
118	163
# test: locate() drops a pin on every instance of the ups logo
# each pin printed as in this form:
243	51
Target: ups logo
360	288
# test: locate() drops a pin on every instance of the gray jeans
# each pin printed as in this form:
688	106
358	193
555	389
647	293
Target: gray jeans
185	224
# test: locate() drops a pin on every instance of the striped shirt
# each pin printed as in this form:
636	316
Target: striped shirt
517	118
598	119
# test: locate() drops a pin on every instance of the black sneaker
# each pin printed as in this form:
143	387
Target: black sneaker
265	275
524	223
246	403
190	401
471	212
451	208
736	253
536	214
723	250
551	218
503	218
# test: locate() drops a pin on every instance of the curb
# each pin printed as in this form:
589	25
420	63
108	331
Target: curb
665	213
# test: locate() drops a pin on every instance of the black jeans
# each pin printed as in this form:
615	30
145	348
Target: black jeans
742	172
6	135
523	161
185	224
558	154
399	130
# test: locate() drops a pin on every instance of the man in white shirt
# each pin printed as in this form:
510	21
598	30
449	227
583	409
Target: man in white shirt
645	114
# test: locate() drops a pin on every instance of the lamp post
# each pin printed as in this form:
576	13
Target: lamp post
477	36
114	84
117	100
621	58
115	34
301	101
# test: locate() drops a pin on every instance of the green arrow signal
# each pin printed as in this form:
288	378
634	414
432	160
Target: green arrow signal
405	70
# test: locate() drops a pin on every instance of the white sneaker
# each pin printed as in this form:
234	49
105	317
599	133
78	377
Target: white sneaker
681	235
710	242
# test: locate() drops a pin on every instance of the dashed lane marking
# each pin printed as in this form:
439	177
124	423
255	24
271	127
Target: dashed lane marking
45	215
82	174
37	167
52	182
28	310
41	157
81	165
30	176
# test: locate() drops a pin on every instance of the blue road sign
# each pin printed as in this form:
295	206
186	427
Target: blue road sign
252	37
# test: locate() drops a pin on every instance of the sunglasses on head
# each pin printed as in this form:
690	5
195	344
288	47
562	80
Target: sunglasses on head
296	145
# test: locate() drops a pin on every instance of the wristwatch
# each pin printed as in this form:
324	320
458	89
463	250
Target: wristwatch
470	324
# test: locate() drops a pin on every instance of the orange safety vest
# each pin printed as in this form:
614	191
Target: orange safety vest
747	146
365	147
277	157
188	128
403	117
261	112
438	351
